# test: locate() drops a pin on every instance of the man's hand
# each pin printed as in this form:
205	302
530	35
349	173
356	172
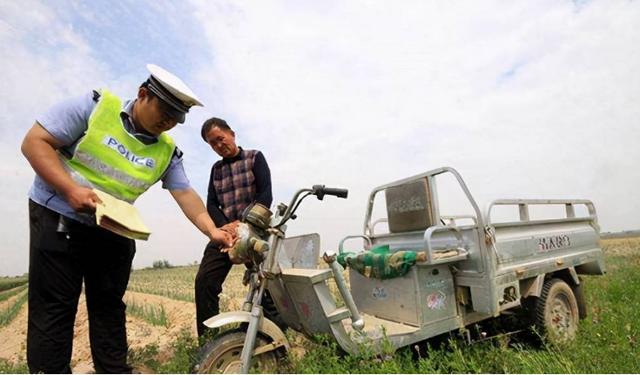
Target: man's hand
82	199
231	228
221	237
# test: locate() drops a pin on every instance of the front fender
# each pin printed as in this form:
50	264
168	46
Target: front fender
266	327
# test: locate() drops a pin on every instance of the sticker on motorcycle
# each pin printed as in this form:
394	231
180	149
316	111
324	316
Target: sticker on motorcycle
436	301
379	293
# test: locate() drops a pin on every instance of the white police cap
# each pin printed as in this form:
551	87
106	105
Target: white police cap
172	91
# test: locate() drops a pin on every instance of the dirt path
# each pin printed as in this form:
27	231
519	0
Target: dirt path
180	315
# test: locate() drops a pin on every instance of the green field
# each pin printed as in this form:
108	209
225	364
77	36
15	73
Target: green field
608	340
176	283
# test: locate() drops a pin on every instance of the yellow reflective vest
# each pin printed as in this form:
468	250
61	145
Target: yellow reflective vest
112	160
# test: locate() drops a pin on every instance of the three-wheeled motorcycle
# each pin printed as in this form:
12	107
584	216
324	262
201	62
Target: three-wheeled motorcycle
423	274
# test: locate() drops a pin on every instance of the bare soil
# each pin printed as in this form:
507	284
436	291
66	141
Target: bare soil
180	315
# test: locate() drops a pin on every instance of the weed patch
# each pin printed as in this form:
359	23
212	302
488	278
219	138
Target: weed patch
7	367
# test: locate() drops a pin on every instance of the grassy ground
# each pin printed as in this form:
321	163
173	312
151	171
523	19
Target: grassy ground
608	340
7	367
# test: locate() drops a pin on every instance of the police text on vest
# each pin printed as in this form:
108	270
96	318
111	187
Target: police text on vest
113	143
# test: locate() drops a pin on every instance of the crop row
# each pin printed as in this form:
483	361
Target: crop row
6	294
10	312
175	283
178	282
174	292
7	283
155	315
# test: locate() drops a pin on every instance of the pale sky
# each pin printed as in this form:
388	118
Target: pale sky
526	99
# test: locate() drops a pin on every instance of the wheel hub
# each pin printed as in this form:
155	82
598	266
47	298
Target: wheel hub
561	317
229	362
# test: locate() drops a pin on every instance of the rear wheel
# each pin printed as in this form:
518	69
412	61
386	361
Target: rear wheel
222	355
557	312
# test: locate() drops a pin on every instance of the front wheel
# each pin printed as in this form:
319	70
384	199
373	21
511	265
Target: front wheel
222	355
557	312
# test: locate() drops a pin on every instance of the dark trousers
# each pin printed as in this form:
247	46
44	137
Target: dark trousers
59	261
214	268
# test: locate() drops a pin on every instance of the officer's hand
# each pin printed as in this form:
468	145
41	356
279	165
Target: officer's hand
82	199
221	237
231	228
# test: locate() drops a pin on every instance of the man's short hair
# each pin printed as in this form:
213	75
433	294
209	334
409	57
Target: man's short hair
215	122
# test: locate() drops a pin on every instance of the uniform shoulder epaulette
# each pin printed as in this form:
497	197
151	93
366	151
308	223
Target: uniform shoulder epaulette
177	153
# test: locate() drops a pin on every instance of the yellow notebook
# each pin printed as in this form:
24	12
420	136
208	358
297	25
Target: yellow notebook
120	217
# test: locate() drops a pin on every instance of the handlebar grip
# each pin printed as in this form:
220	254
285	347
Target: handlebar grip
340	193
320	191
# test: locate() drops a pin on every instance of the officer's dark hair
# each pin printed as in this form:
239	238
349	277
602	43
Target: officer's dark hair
215	122
150	93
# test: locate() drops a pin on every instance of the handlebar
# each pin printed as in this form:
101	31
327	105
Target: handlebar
320	191
288	212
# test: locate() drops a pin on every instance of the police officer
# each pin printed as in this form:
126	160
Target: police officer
98	141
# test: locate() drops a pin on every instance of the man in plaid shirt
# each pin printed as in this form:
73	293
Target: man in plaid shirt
239	179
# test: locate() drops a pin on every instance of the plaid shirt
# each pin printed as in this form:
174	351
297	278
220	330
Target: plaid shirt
234	183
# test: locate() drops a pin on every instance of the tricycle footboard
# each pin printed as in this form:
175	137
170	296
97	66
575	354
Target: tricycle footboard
306	301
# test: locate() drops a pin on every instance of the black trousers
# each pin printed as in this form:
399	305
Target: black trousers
214	268
59	261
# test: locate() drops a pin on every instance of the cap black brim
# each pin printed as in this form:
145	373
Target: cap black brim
175	108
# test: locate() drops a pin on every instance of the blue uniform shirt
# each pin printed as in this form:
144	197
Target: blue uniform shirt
67	122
